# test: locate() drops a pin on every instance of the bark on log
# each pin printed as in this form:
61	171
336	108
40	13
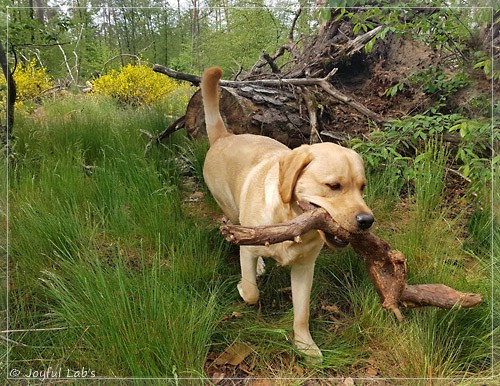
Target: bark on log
270	107
6	131
386	267
255	110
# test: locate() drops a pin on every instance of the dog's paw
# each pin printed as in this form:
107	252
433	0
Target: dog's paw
261	266
312	354
249	293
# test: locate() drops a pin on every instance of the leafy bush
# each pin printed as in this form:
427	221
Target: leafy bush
31	81
138	85
400	139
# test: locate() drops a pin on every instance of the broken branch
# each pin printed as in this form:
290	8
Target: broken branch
386	266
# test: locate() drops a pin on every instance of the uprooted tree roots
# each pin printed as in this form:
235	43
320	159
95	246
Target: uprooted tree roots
386	267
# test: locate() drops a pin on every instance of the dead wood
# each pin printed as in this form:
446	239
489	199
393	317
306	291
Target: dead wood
273	103
154	139
271	107
6	131
386	267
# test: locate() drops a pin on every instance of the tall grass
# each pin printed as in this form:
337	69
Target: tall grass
111	272
107	271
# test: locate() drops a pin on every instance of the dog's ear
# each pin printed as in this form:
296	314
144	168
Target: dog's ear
291	165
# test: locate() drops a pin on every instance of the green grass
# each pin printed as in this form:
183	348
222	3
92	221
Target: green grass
110	271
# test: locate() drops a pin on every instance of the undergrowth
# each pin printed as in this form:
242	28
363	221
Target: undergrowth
110	271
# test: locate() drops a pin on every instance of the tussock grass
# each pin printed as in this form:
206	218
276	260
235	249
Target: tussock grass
101	248
109	270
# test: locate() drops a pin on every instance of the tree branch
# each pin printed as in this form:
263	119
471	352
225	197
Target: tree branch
386	267
322	82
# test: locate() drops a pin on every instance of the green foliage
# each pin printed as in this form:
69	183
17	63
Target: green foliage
400	139
451	30
124	279
429	170
487	66
242	38
475	155
109	269
100	246
393	90
435	82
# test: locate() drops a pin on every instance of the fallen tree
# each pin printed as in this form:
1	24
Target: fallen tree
295	103
386	267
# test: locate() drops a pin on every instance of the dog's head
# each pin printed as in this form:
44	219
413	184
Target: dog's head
329	176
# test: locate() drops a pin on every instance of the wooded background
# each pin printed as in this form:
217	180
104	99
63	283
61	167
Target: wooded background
392	61
77	39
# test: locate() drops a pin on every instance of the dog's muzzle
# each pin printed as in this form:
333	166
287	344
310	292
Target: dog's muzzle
364	221
333	241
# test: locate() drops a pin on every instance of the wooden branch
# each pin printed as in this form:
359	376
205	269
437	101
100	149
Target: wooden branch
292	44
325	52
311	105
176	125
193	79
351	102
437	295
357	44
270	61
386	267
322	82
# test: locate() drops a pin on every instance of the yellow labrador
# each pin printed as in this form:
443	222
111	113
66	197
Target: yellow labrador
258	181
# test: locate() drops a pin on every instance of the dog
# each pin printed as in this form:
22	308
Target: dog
257	180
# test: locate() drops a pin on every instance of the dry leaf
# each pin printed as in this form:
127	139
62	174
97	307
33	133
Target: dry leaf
371	372
333	308
234	354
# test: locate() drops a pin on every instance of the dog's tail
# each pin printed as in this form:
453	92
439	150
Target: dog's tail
210	93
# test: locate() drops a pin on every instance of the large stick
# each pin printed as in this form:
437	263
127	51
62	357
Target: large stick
386	266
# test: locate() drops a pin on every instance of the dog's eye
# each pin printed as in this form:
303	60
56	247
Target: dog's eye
335	186
363	187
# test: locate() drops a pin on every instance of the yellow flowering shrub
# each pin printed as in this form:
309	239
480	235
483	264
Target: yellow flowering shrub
31	81
138	85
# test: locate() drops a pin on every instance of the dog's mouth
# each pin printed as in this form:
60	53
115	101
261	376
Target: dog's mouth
333	241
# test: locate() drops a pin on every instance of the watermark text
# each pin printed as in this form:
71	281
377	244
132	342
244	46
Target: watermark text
52	373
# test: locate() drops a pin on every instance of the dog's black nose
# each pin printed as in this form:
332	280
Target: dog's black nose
364	220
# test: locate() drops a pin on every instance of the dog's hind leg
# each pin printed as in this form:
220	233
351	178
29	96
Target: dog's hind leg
247	287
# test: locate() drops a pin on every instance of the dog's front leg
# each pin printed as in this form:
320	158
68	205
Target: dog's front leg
301	280
247	287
